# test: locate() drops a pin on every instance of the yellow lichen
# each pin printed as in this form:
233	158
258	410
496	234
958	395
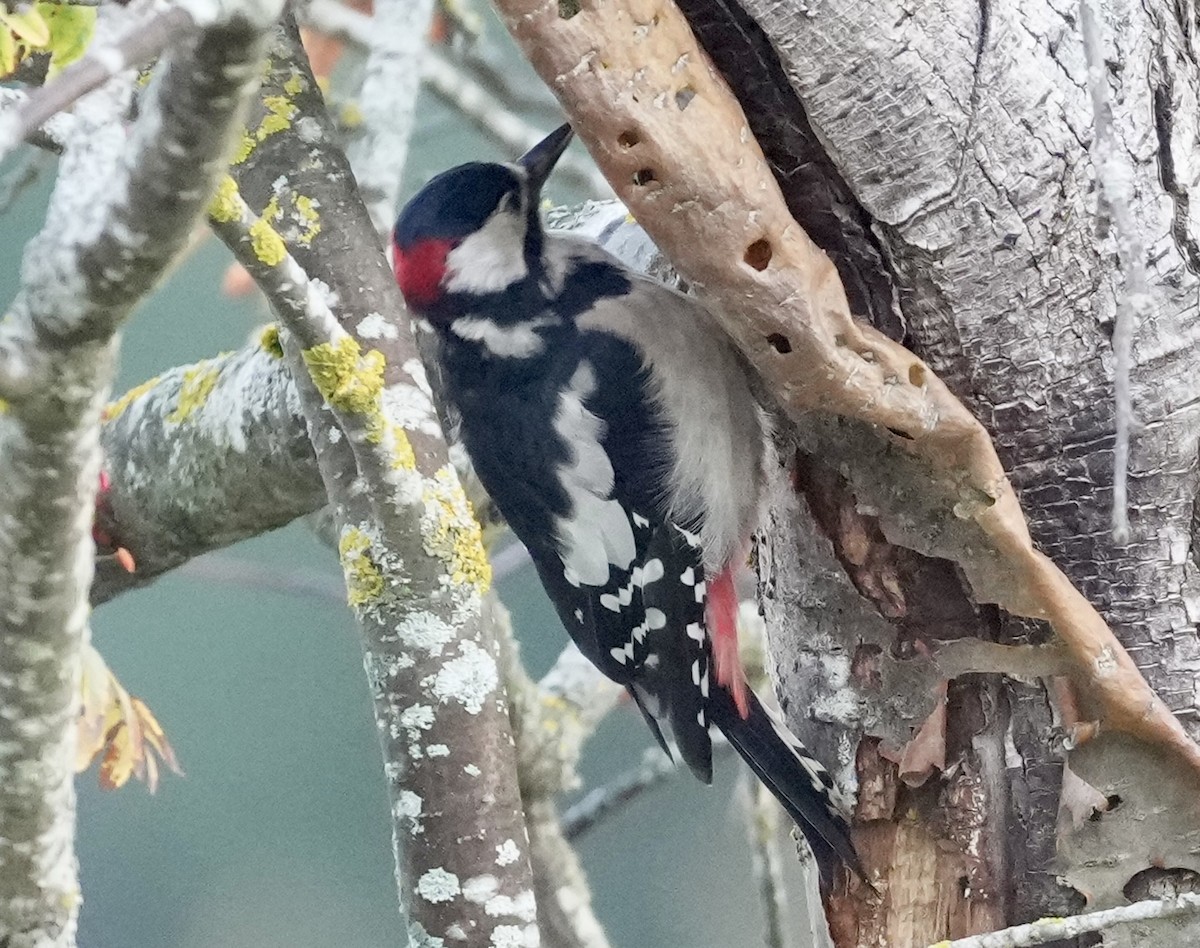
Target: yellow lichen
280	112
198	382
267	245
225	206
306	212
350	381
3	407
269	342
364	580
350	115
114	409
451	532
271	211
403	458
294	84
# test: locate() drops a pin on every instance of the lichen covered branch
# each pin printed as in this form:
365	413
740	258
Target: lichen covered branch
201	457
410	548
121	210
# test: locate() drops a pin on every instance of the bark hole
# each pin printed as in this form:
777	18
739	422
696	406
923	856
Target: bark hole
1156	883
644	176
628	139
916	374
758	254
683	98
781	343
901	434
567	9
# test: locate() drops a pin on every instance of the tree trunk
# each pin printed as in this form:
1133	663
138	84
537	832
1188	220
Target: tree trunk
941	154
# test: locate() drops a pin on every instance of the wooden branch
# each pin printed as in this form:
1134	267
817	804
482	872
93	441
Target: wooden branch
410	548
200	457
674	143
122	209
1056	929
138	45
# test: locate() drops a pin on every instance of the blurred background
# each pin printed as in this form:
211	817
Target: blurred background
278	834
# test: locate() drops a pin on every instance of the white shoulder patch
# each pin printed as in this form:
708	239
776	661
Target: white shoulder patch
520	340
596	534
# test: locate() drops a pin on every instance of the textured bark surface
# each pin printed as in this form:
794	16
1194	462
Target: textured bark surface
123	206
962	132
411	552
951	141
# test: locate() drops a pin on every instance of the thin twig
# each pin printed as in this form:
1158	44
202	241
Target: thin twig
134	48
479	105
762	824
1053	929
1115	182
598	805
396	57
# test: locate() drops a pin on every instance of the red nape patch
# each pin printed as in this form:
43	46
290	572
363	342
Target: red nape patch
419	270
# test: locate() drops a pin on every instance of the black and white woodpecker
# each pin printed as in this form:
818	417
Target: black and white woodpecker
612	423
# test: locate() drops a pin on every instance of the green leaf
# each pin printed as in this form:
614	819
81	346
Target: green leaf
71	30
28	26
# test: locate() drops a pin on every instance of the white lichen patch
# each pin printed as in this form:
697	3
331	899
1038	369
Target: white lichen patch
437	750
523	906
471	770
479	889
413	721
438	885
419	938
425	631
409	806
507	853
412	409
509	936
470	679
375	326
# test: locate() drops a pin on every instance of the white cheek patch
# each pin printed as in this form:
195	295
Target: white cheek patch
597	533
490	259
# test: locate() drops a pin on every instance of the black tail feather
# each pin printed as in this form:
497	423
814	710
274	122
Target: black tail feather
801	785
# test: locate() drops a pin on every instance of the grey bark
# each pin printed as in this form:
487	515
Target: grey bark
432	662
953	139
121	211
186	480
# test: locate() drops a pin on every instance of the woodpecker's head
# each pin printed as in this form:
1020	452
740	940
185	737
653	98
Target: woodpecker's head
473	230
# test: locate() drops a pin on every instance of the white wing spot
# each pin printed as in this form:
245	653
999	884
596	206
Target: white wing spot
597	533
696	673
578	615
655	618
695	632
688	577
639	520
701	591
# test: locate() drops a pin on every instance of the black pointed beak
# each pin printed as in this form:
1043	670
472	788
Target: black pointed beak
539	161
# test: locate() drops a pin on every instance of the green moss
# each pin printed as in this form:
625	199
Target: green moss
364	580
198	382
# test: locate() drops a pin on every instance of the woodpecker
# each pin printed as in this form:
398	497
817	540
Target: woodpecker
612	423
